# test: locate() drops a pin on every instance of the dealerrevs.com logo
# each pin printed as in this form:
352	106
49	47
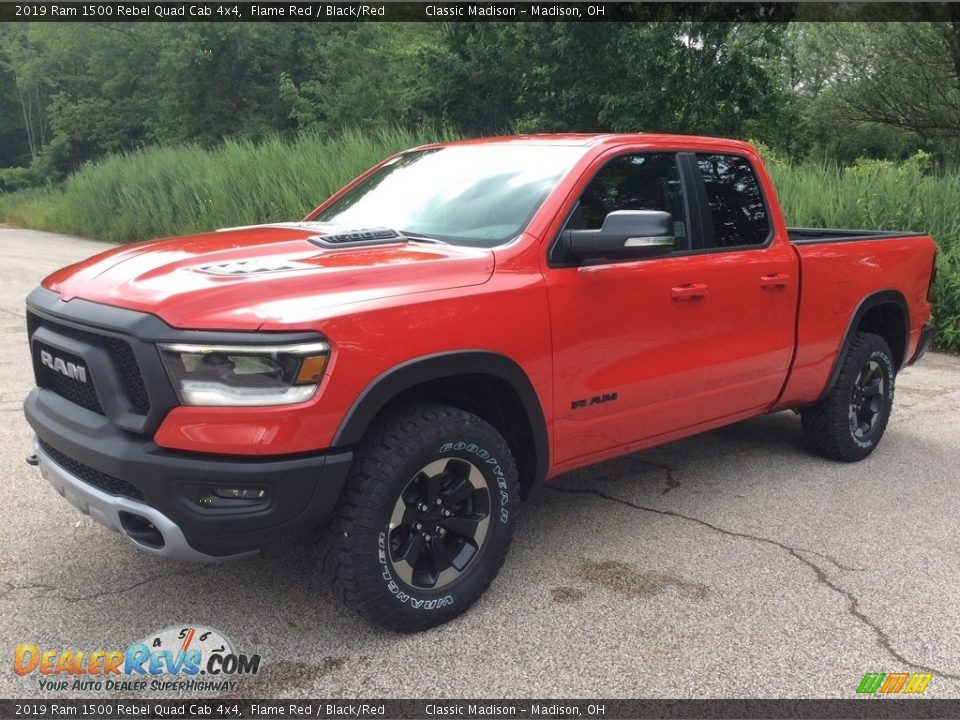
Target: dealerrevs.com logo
188	658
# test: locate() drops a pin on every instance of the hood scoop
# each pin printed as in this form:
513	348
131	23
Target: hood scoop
339	236
334	235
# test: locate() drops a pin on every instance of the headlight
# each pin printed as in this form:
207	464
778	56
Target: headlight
245	374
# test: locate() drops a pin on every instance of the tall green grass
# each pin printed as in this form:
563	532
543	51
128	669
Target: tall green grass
171	191
881	195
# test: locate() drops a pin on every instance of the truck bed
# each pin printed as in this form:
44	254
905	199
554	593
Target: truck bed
804	236
836	278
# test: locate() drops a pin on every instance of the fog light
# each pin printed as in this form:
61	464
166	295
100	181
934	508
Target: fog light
240	493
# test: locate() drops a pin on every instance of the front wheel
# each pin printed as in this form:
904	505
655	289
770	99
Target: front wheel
848	423
426	517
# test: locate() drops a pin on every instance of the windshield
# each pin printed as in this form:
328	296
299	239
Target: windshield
481	195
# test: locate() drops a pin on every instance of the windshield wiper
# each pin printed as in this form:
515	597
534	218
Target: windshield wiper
417	237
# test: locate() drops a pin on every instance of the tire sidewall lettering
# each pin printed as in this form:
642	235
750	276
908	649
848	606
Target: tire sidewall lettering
492	464
888	366
399	593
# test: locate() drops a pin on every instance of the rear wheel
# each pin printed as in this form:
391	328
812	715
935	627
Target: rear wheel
425	520
848	423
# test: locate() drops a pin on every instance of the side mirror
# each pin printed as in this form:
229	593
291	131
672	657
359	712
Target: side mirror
625	234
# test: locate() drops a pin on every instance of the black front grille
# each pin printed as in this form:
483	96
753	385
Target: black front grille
122	353
81	393
107	483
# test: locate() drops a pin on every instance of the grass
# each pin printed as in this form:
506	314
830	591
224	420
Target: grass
173	191
880	195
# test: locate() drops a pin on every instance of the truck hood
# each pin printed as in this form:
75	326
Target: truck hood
245	278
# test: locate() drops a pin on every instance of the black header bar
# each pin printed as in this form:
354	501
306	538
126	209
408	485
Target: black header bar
272	11
221	709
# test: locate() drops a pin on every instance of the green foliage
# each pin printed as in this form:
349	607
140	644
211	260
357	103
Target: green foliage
873	89
173	191
111	87
708	78
947	300
883	195
364	75
14	149
827	91
103	88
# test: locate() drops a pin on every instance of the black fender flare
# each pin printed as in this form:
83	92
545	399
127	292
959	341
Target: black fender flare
883	297
416	371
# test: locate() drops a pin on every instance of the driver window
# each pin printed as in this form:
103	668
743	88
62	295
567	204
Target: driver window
634	182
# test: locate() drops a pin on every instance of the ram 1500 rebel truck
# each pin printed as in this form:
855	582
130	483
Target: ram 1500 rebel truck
458	325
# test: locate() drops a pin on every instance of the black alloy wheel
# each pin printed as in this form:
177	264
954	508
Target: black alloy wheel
867	399
439	523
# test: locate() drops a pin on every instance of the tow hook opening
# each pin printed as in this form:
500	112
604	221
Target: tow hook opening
141	530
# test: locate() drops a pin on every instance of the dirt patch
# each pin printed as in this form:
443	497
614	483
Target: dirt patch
631	581
277	678
564	594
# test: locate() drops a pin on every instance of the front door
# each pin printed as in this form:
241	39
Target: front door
648	347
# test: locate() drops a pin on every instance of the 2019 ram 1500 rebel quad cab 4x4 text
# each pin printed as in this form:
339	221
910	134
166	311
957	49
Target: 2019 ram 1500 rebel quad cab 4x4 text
455	327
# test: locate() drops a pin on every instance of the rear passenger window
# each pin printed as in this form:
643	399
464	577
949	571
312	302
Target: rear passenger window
634	182
736	204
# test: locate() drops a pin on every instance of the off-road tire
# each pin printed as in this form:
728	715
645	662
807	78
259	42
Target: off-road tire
356	551
828	427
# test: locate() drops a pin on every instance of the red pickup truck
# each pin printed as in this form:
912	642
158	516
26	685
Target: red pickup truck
458	325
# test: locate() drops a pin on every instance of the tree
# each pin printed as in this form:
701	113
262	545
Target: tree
362	75
14	145
884	89
217	80
22	58
679	77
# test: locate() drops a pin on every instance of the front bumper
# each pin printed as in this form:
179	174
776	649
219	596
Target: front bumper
162	500
113	511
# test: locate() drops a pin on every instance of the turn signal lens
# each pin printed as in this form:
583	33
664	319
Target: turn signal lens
311	370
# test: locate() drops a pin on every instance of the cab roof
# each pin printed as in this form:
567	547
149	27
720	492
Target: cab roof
590	140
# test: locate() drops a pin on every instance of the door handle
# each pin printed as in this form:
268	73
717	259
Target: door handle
774	280
688	292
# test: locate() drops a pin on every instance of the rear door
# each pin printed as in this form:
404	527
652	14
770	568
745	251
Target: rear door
649	347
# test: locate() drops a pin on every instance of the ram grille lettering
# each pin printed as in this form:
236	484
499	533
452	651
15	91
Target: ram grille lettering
71	370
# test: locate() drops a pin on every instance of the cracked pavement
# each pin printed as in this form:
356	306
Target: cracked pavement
732	564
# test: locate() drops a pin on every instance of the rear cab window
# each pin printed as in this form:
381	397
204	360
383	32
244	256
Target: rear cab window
738	215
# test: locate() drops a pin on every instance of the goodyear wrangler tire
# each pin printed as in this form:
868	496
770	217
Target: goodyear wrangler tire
425	519
848	423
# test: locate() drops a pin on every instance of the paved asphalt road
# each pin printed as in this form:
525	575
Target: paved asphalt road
728	565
